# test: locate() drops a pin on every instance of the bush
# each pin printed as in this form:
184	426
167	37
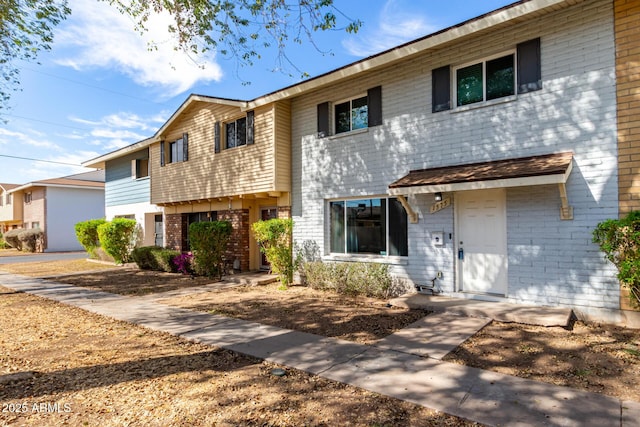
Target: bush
87	235
209	242
619	239
3	244
155	258
11	238
352	278
32	240
274	237
117	238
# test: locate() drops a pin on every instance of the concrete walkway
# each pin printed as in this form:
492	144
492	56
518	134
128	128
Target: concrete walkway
390	368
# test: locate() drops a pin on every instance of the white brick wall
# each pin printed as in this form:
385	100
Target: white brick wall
551	262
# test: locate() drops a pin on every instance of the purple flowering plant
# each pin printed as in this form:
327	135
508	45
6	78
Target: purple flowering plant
183	262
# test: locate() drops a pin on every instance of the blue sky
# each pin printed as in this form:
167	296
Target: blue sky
100	88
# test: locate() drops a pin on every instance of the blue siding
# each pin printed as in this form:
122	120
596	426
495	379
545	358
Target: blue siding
120	187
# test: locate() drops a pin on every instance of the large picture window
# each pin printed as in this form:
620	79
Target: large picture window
486	80
368	226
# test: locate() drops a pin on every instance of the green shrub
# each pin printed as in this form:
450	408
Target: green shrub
117	238
87	235
209	242
274	238
3	244
11	238
32	240
349	278
619	239
155	258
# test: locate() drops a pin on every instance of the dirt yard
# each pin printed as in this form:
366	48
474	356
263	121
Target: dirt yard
597	358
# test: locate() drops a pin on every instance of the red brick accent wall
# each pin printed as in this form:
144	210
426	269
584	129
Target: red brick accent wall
628	97
284	212
175	230
239	244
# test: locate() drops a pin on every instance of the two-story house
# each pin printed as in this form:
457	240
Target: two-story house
478	159
214	159
56	205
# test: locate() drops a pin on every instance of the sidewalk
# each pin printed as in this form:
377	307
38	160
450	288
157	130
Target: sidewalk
391	367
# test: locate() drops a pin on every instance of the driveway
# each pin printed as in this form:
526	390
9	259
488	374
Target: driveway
43	257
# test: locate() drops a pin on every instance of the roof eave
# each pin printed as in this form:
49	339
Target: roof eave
512	12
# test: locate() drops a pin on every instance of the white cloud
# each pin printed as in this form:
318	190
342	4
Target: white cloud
97	35
397	24
14	138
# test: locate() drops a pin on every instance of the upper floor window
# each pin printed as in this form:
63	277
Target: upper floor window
368	226
2	199
9	198
351	115
28	197
493	78
140	168
178	150
486	80
356	113
236	133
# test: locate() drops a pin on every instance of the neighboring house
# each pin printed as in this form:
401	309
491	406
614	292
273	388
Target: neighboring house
478	159
56	205
214	159
127	190
10	212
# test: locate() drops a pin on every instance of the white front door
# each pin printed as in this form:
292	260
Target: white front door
482	241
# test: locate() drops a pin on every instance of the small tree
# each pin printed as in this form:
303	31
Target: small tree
619	239
274	237
118	238
11	238
87	235
209	242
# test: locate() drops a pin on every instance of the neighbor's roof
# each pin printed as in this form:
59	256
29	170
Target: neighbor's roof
87	180
514	13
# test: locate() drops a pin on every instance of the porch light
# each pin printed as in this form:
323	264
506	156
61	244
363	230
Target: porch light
438	196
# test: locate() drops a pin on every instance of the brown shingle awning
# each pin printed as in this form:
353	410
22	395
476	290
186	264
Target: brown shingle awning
534	170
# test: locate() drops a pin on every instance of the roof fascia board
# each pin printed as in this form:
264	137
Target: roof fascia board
99	162
198	98
39	184
398	53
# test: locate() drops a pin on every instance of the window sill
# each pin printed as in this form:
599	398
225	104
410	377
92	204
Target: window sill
379	259
347	134
484	104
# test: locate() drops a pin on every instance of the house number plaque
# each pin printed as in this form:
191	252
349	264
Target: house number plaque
440	205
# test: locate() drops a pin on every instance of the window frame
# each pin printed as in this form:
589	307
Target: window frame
137	168
28	197
349	100
179	144
226	133
483	61
387	232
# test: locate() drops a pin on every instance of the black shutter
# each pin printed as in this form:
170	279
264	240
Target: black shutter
529	68
185	147
398	229
374	105
162	153
323	120
441	89
216	137
250	120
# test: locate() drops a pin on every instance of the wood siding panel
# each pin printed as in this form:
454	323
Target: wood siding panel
209	175
626	14
120	187
282	135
